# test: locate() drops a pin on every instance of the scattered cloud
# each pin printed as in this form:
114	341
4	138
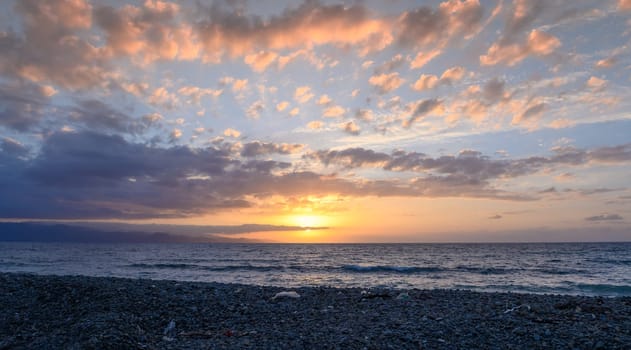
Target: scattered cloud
231	133
315	125
303	94
261	60
324	100
538	43
351	128
255	109
596	84
281	106
422	109
334	112
386	82
422	58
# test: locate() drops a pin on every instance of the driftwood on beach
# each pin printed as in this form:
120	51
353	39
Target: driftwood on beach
57	312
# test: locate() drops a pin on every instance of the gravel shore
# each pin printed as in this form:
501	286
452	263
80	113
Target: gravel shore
76	312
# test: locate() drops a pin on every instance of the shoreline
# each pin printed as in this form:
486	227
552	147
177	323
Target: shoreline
109	312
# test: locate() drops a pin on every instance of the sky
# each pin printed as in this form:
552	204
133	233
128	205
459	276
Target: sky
373	121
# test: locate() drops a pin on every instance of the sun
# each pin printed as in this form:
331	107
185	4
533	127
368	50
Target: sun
309	221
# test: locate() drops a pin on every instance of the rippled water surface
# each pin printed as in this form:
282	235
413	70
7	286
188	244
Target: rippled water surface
565	268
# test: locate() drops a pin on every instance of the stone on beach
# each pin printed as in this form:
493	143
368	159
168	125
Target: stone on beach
289	294
78	312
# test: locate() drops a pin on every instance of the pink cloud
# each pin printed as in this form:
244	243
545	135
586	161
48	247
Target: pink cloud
538	44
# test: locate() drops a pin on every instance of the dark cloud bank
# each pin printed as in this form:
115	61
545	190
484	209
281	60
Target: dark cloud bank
77	175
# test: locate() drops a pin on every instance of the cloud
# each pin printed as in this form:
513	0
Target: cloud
310	24
538	44
334	111
386	82
258	148
452	74
281	106
255	109
388	66
315	125
239	85
150	32
231	133
96	115
294	111
468	165
522	14
303	94
425	82
261	60
495	217
195	94
612	154
624	5
422	58
607	62
23	105
596	84
351	128
604	217
13	147
324	100
49	51
494	91
421	109
308	56
89	175
161	97
175	134
430	81
534	111
424	27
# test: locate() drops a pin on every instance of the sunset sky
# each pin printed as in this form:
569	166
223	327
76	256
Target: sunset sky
399	121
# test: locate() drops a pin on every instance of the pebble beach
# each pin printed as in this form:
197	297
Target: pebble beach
78	312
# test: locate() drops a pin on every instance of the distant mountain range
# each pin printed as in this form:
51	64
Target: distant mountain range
127	233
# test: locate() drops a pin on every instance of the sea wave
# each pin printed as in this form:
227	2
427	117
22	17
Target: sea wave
485	270
604	289
388	268
218	268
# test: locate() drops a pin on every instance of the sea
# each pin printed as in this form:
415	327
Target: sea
594	269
